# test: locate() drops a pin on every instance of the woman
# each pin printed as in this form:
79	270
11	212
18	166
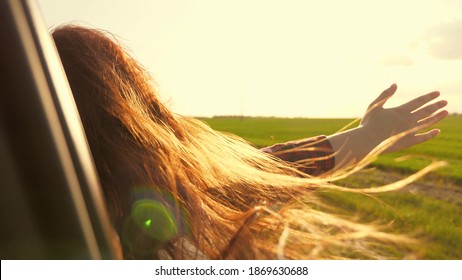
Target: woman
177	189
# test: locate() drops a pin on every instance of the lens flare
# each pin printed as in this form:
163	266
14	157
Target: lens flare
155	219
148	223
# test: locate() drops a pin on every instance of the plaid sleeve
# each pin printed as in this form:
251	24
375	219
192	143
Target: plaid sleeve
314	156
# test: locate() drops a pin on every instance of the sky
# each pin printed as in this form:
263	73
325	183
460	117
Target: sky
318	59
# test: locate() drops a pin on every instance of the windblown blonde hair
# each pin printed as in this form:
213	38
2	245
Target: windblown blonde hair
227	199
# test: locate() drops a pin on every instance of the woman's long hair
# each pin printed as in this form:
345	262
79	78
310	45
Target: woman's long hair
175	188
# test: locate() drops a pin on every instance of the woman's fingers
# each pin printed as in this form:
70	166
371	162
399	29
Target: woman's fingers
432	119
423	137
427	111
383	97
413	139
419	101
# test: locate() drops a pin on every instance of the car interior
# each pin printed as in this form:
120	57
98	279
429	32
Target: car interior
52	205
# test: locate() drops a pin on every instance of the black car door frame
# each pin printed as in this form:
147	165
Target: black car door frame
51	201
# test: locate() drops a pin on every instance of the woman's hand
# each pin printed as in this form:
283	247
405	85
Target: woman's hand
413	116
379	124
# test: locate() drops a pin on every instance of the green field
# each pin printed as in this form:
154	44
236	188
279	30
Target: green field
429	209
267	131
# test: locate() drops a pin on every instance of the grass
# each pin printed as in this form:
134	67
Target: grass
267	131
433	216
436	224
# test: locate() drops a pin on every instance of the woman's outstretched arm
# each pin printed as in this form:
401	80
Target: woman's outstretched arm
379	124
314	155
